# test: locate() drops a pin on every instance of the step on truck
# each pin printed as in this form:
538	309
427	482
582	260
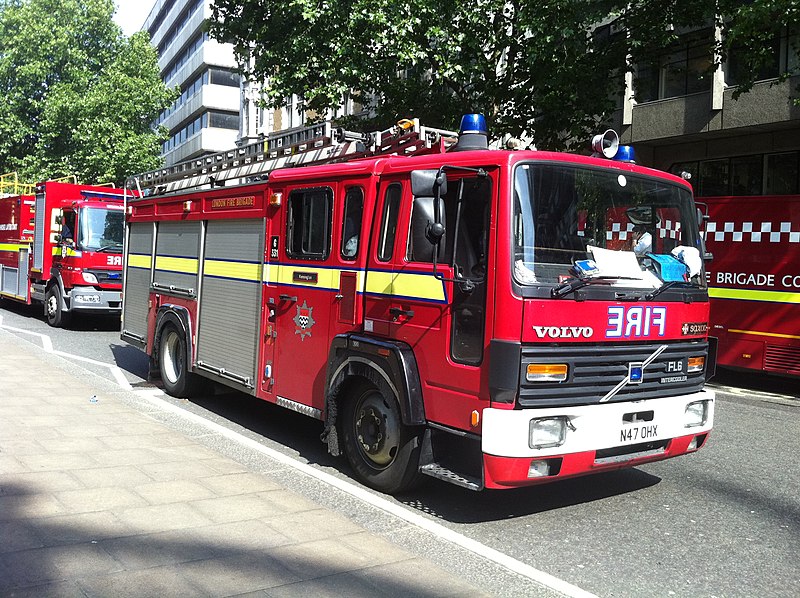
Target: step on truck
61	247
490	318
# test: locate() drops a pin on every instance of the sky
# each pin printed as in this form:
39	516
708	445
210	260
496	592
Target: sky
131	14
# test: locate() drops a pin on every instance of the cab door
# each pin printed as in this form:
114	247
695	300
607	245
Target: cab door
439	310
301	296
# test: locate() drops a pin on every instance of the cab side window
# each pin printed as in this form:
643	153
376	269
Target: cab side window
351	227
308	225
389	217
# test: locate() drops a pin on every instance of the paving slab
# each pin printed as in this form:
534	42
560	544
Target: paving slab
98	498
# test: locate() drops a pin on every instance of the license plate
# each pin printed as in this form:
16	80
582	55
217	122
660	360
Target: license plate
91	298
638	432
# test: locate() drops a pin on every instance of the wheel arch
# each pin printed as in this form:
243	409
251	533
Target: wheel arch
178	317
389	365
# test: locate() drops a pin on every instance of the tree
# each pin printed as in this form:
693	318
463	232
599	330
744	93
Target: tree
79	97
539	68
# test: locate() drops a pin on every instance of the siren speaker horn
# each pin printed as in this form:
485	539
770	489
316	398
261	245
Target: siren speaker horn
606	144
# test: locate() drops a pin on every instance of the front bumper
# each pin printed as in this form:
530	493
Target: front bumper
600	437
89	299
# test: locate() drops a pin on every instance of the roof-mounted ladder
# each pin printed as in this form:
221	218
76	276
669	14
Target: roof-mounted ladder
316	144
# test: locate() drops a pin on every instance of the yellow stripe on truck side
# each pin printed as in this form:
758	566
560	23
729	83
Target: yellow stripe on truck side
140	261
15	247
238	270
404	284
750	295
183	265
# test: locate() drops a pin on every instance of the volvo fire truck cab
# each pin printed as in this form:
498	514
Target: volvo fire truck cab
62	247
489	318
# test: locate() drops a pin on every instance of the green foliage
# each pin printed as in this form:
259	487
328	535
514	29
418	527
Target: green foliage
531	67
79	97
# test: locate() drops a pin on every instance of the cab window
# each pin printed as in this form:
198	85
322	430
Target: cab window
351	227
308	225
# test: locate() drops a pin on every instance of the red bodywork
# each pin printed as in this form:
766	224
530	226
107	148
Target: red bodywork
31	248
754	281
306	304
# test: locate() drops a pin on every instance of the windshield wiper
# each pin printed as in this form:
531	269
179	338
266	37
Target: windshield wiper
666	286
573	284
116	248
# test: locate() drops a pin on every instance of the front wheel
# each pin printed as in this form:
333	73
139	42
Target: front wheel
383	451
178	380
52	307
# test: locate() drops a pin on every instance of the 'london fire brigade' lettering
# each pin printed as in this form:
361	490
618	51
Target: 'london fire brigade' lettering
563	331
233	202
636	321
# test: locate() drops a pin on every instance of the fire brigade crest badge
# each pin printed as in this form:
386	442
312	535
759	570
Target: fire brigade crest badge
304	320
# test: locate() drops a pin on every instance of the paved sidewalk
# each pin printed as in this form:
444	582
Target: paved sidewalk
99	499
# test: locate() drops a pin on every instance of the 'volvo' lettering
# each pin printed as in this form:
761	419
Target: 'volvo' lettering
636	321
563	331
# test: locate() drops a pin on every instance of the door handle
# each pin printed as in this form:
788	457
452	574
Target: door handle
291	298
397	312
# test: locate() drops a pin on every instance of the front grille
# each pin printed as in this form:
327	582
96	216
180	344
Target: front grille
107	276
594	370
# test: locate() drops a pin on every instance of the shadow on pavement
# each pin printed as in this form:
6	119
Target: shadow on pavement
440	499
99	554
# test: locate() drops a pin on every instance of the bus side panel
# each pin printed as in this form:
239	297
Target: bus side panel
137	280
753	281
230	306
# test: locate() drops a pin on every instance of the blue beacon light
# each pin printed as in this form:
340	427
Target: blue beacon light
473	123
625	154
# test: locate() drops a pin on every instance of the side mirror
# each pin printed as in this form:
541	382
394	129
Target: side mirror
427	236
59	218
58	239
428	183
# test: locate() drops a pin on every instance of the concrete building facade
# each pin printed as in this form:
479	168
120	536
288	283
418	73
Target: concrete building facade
680	115
206	116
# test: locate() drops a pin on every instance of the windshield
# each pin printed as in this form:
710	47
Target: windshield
101	230
588	223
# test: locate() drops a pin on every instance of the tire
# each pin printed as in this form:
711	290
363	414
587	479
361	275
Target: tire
52	308
178	380
381	449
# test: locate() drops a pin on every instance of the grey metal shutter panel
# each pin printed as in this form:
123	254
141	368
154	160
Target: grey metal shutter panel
137	280
178	240
230	312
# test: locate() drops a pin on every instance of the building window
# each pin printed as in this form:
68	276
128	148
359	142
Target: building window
781	173
686	67
308	226
770	174
713	178
223	120
223	77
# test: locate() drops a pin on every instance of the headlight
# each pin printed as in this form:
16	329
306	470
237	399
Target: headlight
696	414
547	432
546	372
90	278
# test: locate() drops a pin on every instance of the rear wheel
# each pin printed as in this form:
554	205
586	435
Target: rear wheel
383	451
178	380
52	307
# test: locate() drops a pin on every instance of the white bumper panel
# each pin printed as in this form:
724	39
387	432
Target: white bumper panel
506	432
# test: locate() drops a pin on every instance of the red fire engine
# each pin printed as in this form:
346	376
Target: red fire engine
62	246
754	281
485	317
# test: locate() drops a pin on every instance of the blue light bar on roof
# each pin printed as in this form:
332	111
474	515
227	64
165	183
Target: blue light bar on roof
473	123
